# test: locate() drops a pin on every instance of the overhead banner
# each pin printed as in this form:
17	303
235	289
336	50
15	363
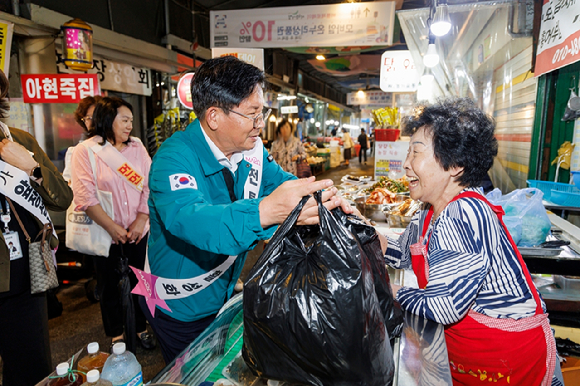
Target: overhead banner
6	30
398	73
559	38
249	55
329	25
59	88
369	98
349	65
115	76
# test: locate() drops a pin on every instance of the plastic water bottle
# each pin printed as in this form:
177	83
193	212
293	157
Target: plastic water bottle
93	379
122	368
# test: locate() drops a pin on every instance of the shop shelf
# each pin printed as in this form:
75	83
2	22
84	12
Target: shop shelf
565	198
548	187
387	135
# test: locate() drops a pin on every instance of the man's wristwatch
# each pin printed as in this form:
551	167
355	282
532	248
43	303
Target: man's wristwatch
36	172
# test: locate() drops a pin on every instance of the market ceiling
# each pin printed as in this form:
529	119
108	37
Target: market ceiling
344	84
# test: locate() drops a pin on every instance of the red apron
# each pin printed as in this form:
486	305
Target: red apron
484	350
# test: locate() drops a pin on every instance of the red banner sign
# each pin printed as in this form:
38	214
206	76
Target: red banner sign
59	88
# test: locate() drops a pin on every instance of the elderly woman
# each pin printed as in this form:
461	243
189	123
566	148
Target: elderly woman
471	276
287	149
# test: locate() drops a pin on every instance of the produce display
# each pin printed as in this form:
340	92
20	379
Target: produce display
386	117
385	190
315	160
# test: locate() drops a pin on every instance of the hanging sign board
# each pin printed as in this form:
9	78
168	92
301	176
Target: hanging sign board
374	98
328	25
559	38
6	30
249	55
398	73
59	88
289	109
389	159
184	90
115	76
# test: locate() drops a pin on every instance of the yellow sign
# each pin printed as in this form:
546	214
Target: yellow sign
6	30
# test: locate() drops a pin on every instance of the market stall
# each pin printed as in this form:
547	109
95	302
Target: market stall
215	357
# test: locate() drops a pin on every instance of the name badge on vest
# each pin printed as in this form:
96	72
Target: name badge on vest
13	243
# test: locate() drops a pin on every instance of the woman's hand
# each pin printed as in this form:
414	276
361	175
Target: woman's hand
117	232
135	233
16	155
395	288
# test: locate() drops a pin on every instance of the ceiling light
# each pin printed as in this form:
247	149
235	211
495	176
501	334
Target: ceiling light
431	58
320	57
311	120
442	24
427	77
317	124
272	118
360	94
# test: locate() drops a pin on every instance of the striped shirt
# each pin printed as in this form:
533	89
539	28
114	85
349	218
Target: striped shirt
472	265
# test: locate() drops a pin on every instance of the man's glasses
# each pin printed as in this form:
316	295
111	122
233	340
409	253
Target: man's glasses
258	119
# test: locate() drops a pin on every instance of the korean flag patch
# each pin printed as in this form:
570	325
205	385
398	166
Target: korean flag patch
182	181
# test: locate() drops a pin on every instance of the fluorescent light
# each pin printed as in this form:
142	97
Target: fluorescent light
442	24
320	57
431	58
286	97
347	126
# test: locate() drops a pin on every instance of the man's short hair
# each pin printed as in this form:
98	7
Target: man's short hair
223	82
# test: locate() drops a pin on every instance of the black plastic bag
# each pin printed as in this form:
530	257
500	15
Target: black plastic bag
371	245
311	313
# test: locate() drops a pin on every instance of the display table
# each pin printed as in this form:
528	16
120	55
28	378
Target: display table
420	354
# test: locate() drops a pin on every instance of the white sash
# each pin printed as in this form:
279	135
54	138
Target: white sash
168	289
15	184
120	165
254	157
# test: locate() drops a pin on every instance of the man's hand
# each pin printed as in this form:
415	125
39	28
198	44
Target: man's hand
135	233
16	155
275	208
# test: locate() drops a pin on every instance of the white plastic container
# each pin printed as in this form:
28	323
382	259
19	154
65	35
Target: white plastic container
94	379
122	368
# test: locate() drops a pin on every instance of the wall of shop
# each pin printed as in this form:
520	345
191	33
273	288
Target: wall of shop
484	59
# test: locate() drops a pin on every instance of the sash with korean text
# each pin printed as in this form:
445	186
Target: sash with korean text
120	165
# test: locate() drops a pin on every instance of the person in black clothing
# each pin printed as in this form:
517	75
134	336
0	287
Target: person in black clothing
363	141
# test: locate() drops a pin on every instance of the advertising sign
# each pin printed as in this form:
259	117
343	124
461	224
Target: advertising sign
289	109
6	30
184	90
389	159
117	76
248	55
398	73
559	39
59	88
380	98
345	24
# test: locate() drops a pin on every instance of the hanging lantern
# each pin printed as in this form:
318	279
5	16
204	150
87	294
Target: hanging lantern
77	45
